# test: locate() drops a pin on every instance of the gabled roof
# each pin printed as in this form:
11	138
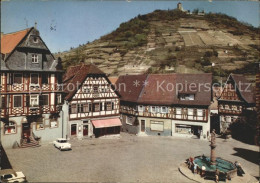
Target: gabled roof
76	75
11	40
130	87
164	89
244	87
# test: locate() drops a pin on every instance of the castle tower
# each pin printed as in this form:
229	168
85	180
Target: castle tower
179	6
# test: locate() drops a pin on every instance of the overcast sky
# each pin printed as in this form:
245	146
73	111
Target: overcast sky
65	24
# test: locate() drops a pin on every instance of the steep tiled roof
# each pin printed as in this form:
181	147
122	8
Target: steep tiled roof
76	75
130	86
11	40
244	87
164	89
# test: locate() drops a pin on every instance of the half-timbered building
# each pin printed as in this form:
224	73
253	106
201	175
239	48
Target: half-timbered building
165	104
92	104
30	90
236	98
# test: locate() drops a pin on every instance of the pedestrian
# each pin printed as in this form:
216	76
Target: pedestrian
217	176
195	168
203	168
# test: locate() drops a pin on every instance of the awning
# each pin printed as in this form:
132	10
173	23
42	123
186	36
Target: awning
104	123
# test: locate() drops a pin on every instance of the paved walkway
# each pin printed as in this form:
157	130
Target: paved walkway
126	159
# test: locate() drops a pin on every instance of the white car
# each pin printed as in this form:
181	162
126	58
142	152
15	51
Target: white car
62	144
9	175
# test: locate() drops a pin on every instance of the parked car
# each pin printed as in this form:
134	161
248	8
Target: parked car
62	144
9	175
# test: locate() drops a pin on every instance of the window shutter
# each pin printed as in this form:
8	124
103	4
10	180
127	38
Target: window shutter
27	101
56	99
69	109
112	105
90	107
3	104
79	108
105	106
11	78
100	105
40	100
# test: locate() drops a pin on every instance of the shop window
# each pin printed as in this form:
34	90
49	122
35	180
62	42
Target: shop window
39	126
10	128
157	126
54	120
53	124
129	120
183	129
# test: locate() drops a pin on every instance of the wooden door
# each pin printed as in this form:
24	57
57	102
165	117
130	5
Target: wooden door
142	125
26	130
85	130
73	129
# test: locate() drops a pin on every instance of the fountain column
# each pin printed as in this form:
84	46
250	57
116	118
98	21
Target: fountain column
213	147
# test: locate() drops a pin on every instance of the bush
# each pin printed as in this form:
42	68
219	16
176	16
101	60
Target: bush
206	62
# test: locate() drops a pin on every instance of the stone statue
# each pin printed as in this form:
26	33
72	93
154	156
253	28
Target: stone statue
213	146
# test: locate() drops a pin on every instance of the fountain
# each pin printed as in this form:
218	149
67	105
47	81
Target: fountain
212	165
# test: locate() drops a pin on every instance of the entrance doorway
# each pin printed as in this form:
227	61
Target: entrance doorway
73	129
26	130
142	125
85	130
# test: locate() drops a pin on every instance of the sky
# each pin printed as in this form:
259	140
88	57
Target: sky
65	23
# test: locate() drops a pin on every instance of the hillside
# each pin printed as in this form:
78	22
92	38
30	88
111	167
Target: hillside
173	41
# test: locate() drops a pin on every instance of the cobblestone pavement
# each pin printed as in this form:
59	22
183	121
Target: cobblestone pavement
127	159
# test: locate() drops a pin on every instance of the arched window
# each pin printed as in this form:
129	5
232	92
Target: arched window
10	127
